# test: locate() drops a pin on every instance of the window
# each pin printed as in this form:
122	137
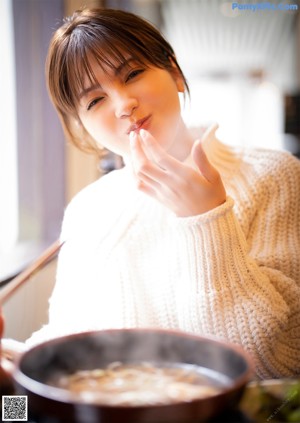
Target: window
32	147
8	154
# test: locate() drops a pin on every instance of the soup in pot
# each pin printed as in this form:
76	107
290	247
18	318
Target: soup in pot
139	384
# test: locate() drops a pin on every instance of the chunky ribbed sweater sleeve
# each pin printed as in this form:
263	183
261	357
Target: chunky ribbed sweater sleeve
248	291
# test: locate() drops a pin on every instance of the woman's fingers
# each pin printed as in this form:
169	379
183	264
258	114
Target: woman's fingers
149	159
157	153
206	168
180	187
147	173
200	158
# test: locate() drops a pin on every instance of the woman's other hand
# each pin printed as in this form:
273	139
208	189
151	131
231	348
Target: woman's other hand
6	382
185	190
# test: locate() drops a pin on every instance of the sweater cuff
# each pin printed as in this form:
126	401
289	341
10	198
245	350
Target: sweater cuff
218	231
209	216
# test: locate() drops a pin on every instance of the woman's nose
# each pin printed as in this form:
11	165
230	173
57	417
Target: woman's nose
125	106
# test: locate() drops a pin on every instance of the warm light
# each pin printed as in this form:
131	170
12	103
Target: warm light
8	152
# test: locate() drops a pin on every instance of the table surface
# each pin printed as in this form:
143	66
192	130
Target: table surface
274	401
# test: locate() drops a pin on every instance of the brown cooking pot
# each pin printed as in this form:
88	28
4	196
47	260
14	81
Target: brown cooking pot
227	365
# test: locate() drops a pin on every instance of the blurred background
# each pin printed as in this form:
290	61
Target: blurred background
243	68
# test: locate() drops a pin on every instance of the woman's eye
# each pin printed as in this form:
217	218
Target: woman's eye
94	102
134	73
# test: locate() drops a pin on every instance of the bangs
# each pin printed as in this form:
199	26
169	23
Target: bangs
86	48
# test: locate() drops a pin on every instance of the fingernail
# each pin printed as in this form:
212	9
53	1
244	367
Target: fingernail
132	136
142	133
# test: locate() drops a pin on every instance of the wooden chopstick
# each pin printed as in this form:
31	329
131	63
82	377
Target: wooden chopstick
37	264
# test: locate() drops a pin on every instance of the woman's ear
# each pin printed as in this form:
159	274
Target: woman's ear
177	76
179	83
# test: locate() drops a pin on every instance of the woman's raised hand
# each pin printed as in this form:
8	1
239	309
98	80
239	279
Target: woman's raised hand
183	189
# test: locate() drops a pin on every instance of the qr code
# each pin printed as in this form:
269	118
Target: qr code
14	408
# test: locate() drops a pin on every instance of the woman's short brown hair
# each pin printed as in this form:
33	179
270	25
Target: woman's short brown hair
107	35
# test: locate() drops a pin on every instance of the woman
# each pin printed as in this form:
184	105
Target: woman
190	233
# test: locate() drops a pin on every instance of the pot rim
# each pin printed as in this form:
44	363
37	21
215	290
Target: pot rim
63	395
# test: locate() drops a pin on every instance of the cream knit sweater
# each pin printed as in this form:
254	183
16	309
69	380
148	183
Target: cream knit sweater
233	272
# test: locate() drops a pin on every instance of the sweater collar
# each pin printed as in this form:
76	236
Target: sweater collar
219	154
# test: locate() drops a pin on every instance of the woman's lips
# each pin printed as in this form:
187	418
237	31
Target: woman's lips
143	123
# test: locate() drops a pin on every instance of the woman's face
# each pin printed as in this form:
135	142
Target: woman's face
128	99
